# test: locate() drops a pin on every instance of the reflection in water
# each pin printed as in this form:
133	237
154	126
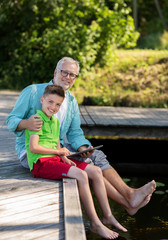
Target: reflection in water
150	223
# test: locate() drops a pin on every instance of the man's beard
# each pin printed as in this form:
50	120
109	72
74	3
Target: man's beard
59	83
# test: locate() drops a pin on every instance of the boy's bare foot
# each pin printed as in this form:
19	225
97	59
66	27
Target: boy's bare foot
131	211
103	231
113	222
138	195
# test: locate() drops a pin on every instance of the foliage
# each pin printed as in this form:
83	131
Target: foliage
164	40
150	25
138	78
148	16
35	34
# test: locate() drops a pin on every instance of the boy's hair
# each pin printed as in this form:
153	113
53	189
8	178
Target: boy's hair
54	89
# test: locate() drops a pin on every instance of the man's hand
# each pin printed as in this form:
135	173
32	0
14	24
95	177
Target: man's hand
34	123
87	154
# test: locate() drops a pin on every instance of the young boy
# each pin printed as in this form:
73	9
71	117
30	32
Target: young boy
48	160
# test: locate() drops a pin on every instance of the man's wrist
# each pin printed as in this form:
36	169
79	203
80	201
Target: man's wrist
83	147
23	125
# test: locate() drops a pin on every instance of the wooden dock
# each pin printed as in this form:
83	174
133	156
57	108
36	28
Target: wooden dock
124	121
33	208
45	209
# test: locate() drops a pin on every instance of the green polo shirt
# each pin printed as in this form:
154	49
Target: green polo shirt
48	137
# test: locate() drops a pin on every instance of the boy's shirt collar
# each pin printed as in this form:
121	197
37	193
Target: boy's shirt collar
45	118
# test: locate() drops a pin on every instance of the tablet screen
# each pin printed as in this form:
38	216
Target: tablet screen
86	150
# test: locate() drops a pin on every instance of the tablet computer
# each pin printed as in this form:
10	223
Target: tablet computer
84	151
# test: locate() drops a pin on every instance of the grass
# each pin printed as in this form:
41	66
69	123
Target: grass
133	78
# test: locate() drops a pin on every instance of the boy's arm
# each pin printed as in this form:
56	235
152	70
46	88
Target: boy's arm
36	148
58	145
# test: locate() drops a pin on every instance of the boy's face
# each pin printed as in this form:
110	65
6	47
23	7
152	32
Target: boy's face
51	104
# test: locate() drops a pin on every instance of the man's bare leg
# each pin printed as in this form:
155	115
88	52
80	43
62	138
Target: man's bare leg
135	197
117	197
96	225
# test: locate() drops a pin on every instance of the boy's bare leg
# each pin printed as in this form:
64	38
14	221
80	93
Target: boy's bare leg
96	225
135	197
95	174
113	194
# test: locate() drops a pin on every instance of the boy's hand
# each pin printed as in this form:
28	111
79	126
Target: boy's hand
63	151
34	123
68	161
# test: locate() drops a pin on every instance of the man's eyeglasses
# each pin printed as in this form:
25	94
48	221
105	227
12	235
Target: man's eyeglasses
72	76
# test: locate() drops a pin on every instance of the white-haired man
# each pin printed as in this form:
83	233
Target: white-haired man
22	117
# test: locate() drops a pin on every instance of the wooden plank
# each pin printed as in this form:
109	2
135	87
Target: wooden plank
125	116
43	189
81	116
38	233
127	122
22	184
33	230
102	115
74	227
31	214
9	203
88	120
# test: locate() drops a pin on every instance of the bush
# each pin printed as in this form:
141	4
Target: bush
35	34
164	40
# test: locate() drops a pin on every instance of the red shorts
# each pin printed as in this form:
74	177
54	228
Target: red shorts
54	168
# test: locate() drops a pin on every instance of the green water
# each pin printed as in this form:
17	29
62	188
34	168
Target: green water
150	223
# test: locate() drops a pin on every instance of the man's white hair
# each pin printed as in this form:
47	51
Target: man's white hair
68	60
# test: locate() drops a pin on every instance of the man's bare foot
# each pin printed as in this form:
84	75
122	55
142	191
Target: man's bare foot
113	222
131	211
103	231
139	195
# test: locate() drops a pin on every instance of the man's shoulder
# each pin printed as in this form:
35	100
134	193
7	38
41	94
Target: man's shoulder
34	89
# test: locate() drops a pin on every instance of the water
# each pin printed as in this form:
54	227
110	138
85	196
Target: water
150	222
133	150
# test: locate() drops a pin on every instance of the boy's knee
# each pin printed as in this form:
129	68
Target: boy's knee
97	171
83	176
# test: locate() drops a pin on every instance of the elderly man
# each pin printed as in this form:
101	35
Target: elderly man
71	135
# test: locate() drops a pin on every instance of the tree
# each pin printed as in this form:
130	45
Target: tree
161	14
37	33
135	13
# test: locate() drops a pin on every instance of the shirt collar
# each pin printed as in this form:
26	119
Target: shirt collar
44	117
52	83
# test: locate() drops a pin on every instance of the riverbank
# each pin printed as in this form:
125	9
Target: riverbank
135	78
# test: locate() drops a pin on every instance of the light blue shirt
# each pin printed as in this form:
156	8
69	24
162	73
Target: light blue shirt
29	102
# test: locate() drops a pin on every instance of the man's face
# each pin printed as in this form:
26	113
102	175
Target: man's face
60	77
